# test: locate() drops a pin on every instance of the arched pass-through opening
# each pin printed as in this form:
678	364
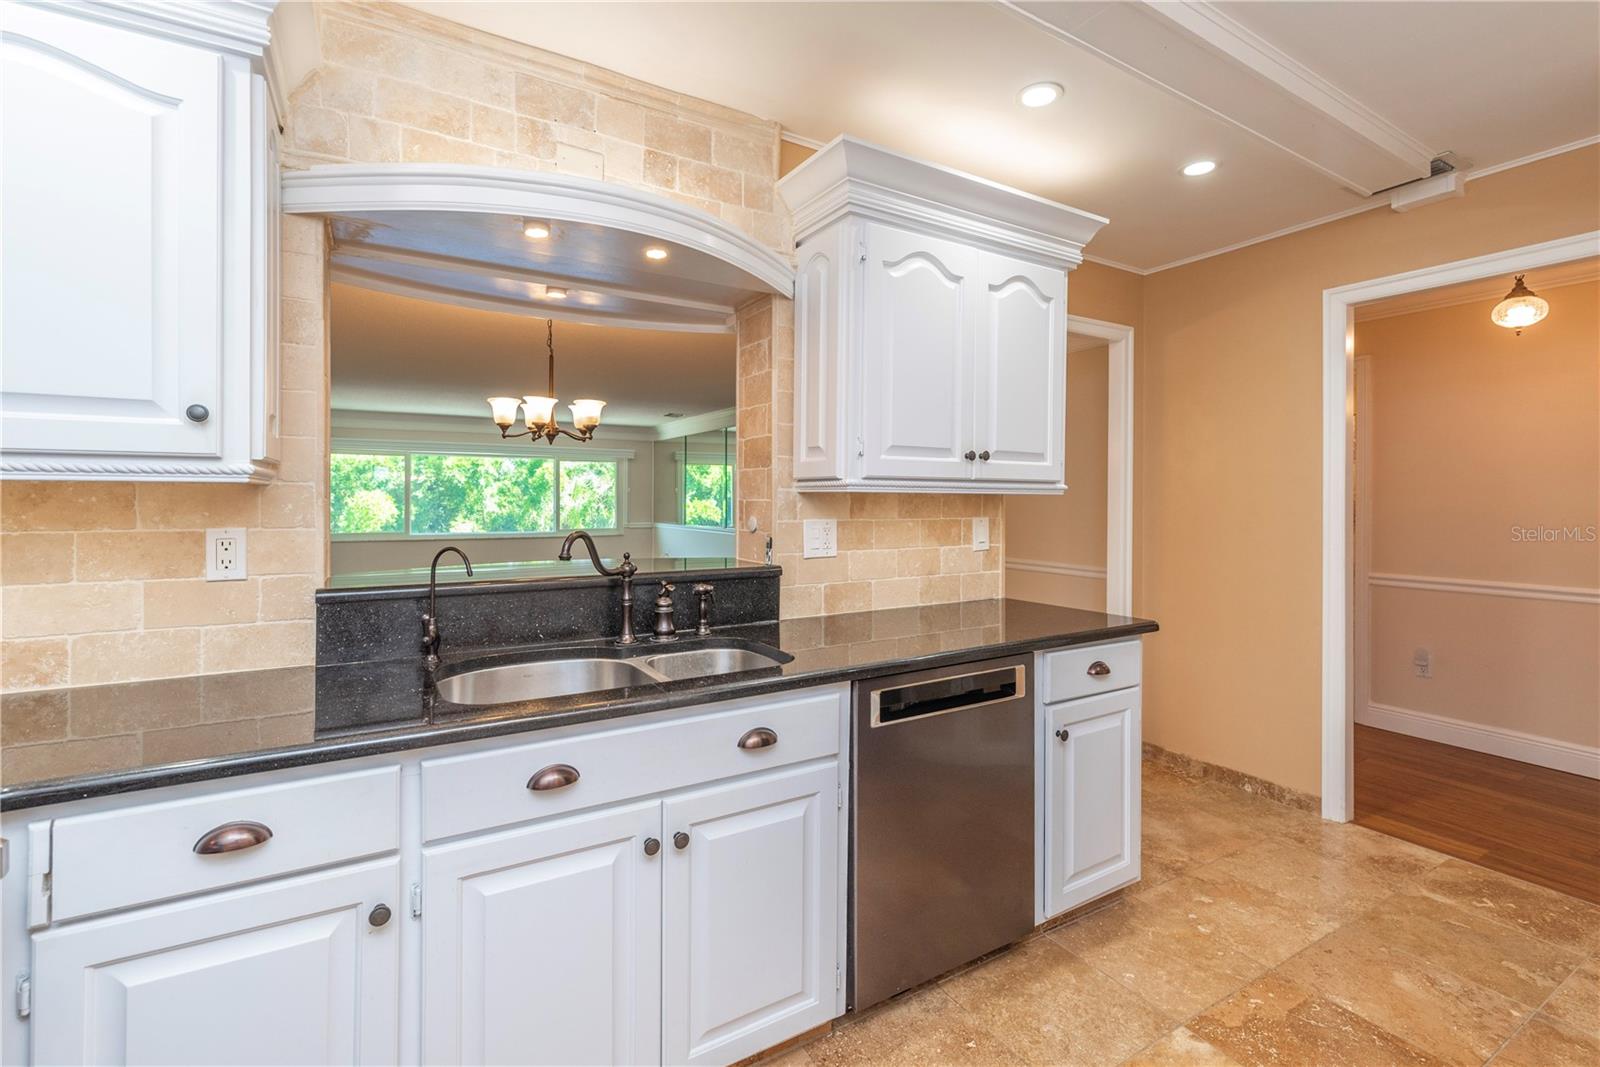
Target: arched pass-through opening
609	254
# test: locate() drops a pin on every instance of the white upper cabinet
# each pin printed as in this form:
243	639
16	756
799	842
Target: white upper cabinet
930	343
139	199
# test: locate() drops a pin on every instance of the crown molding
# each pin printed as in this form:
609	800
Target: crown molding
853	177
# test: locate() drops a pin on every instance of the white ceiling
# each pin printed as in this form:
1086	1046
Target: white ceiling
1298	102
396	353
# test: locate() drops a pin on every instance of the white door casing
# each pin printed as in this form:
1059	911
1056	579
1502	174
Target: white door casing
1338	384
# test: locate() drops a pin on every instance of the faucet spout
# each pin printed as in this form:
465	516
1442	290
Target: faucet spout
625	570
430	621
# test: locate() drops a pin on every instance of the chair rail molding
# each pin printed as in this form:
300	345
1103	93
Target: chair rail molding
1338	575
1575	594
1045	566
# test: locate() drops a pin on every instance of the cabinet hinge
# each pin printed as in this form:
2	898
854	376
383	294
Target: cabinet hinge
838	977
861	445
838	797
416	900
24	996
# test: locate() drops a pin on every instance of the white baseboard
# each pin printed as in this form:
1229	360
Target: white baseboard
1495	740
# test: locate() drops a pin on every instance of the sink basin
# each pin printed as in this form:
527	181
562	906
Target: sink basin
542	678
538	679
701	662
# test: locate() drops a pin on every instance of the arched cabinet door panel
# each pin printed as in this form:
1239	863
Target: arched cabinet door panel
918	323
111	250
1021	370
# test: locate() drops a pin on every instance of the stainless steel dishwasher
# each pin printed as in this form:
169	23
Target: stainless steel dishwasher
941	843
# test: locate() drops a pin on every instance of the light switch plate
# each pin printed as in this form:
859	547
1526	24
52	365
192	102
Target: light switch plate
821	539
225	557
980	535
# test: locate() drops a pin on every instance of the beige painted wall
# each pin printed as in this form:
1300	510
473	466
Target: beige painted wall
1477	432
1069	528
1228	458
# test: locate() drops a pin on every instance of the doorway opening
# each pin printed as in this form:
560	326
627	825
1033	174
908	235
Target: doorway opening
1076	549
1474	580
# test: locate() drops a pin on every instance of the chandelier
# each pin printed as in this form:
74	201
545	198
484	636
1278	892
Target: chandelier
539	412
1521	307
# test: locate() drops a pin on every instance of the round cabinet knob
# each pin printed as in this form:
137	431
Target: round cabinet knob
197	413
1062	735
680	840
379	916
651	846
971	455
984	455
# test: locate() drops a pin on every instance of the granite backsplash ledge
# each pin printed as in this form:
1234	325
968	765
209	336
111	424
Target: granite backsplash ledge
362	625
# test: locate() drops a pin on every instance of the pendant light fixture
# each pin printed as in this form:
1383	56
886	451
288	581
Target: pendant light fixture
539	412
1521	307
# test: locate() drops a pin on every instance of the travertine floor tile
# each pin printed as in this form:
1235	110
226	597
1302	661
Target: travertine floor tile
1544	1043
1181	1048
1324	884
1254	920
1177	964
1514	964
927	1027
1422	1003
1400	862
1279	1022
1576	1002
1544	913
1054	1008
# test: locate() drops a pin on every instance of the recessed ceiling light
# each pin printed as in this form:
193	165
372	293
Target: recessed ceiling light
1039	94
554	294
535	229
655	252
1199	167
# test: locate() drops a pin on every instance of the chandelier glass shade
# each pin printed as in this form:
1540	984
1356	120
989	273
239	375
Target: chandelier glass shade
539	412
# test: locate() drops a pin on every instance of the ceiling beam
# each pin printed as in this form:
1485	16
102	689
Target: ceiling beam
1196	52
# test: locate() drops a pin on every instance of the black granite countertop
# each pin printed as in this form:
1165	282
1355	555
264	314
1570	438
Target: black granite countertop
69	744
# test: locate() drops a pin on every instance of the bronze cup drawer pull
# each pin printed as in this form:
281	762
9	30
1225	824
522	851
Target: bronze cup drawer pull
232	837
555	776
760	737
1099	669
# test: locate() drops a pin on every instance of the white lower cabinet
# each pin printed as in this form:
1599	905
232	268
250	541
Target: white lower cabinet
542	945
1091	753
750	945
286	972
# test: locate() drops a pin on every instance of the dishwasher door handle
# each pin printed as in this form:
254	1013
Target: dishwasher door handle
939	696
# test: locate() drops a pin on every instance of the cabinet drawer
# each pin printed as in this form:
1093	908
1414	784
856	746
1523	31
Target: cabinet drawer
479	790
1080	672
115	859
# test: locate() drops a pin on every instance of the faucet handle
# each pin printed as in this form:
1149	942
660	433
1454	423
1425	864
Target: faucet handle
702	589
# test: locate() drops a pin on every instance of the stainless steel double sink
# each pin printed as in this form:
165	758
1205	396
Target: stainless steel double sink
579	674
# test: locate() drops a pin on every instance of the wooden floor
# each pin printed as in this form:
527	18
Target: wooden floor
1529	822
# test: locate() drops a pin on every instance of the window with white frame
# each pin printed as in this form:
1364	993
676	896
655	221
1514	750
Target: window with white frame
425	494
